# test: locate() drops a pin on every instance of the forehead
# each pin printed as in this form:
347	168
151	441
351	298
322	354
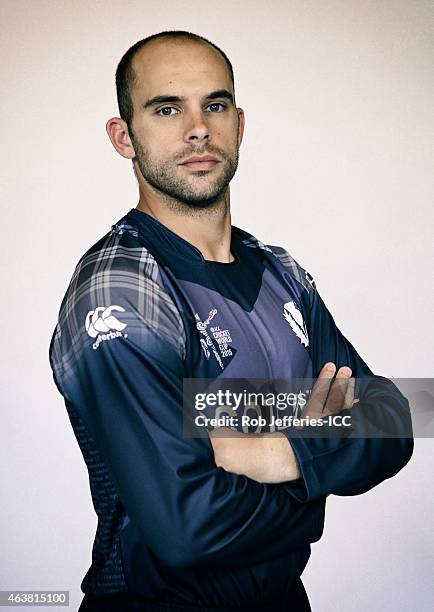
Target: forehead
175	66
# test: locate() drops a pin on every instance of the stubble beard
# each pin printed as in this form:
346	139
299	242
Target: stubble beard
164	177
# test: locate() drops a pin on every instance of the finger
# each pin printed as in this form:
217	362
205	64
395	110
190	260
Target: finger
320	391
336	397
349	395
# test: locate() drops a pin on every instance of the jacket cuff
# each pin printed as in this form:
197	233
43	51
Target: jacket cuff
316	458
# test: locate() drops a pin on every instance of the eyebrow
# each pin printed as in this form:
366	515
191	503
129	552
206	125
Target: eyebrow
219	93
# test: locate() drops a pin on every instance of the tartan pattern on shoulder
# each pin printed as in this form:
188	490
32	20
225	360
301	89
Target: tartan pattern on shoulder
299	273
255	243
116	265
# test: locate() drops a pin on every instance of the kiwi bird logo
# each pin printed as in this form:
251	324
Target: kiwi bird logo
101	320
295	320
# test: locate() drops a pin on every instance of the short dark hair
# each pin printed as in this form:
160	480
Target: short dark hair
126	78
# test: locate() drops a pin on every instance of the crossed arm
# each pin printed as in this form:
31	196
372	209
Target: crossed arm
270	457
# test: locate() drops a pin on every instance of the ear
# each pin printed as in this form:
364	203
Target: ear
241	122
117	131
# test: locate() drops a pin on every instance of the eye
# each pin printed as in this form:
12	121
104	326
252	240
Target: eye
217	104
164	109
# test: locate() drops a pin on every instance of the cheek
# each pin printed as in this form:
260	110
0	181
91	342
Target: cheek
158	142
224	136
156	132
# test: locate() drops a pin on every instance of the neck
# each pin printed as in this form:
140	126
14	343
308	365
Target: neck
208	229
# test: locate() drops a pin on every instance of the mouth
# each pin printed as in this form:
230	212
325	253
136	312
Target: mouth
200	163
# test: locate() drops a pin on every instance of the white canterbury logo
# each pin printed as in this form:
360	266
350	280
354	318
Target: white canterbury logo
100	324
295	320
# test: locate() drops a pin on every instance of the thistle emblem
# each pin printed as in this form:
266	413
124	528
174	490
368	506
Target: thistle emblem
295	320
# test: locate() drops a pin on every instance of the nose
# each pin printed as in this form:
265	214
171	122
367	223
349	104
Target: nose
197	128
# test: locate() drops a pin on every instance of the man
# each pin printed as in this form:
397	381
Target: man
172	292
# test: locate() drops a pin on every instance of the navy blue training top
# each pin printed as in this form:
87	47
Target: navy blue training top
143	311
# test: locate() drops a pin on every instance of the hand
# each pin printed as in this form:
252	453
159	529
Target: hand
265	458
234	451
329	396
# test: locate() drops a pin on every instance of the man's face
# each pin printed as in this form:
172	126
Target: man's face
166	133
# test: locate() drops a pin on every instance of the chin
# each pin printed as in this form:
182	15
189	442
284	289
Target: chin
199	196
204	200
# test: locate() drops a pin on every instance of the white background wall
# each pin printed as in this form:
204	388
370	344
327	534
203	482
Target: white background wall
334	166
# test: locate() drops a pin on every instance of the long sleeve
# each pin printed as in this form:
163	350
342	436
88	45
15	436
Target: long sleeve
126	384
354	463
